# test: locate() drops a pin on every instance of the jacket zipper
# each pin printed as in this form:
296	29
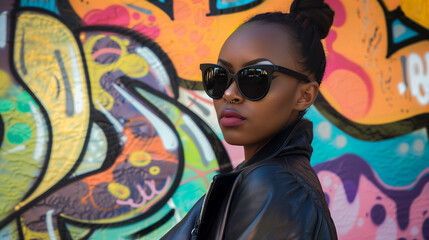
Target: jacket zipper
194	231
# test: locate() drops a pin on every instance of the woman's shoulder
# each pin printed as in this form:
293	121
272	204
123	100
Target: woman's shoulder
281	176
280	201
288	181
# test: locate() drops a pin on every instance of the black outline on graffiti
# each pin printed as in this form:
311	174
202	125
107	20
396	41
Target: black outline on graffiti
166	7
64	233
19	229
369	132
69	16
216	11
1	130
113	146
191	85
145	231
398	14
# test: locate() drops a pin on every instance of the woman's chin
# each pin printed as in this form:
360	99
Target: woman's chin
234	143
236	140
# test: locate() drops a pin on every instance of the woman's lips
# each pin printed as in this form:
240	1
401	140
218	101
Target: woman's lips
230	118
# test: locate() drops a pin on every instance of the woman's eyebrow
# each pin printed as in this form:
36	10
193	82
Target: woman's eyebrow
251	62
225	63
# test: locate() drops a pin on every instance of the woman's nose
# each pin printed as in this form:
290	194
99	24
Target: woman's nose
233	93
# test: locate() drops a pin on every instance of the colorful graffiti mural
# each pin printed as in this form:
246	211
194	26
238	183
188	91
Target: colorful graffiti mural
105	132
379	87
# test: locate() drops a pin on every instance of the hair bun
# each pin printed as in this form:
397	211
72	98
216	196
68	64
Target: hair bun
317	12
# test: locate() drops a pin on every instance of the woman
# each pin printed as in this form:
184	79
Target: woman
267	75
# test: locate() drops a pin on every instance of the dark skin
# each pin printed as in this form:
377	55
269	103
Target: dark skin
250	44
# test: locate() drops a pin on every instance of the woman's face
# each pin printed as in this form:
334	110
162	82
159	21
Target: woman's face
254	123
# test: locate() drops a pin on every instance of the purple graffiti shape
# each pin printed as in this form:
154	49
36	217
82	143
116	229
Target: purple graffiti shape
350	167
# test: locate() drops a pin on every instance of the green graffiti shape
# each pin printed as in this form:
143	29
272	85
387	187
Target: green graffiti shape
6	105
19	133
22	102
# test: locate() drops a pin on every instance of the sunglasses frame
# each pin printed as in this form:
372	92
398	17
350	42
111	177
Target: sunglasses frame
270	68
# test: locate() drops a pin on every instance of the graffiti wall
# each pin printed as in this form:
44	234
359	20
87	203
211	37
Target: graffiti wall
105	132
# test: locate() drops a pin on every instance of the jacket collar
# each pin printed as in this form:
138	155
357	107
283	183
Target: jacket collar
293	140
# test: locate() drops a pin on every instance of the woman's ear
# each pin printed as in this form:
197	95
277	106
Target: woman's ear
307	94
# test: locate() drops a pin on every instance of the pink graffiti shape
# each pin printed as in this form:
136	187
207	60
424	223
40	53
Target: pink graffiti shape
340	12
153	192
106	50
151	18
113	15
152	32
336	60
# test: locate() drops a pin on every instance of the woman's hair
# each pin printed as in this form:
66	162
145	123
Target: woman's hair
308	23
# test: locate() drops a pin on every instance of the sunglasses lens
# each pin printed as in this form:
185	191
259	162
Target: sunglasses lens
215	80
253	82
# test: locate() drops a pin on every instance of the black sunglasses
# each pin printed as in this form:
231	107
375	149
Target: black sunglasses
252	81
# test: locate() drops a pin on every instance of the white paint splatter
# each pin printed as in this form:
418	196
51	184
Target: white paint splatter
418	146
15	149
50	225
40	132
402	88
360	222
172	205
77	81
340	141
414	231
327	181
324	129
387	230
404	148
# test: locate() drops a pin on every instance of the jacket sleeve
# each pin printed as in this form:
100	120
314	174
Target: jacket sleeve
273	203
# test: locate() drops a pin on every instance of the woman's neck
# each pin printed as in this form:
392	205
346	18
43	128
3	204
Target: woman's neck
251	149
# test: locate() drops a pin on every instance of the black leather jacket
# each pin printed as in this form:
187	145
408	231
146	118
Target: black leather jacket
274	195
